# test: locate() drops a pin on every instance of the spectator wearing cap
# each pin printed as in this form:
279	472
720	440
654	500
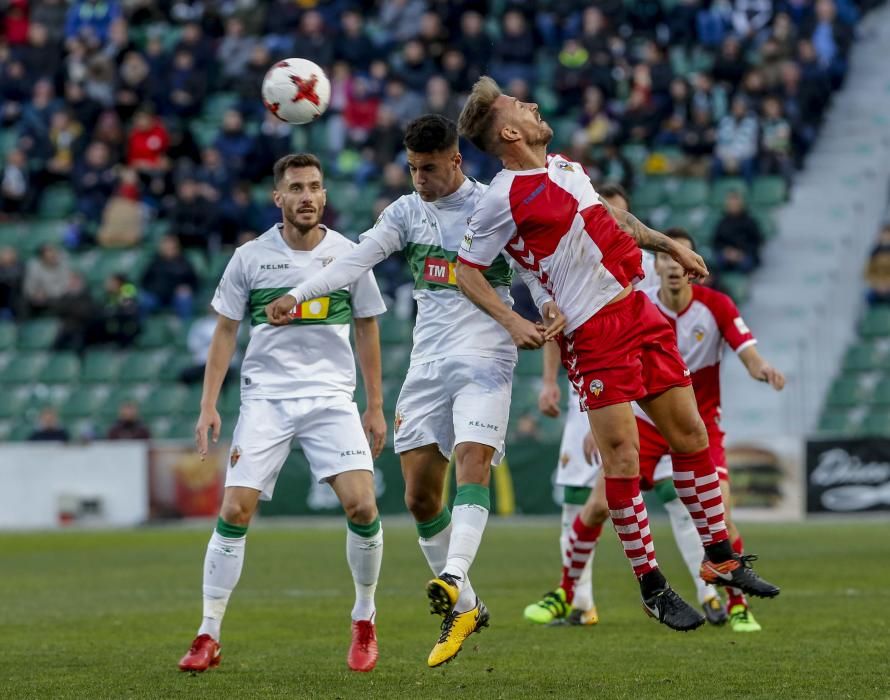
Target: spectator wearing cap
46	279
737	136
737	238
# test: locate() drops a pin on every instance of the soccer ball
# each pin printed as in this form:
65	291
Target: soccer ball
296	91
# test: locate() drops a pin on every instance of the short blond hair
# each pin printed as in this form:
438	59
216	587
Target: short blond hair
476	119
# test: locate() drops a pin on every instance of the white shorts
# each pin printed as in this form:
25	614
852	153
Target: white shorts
328	429
453	400
573	469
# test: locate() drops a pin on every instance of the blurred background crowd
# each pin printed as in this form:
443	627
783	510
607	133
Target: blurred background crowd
136	151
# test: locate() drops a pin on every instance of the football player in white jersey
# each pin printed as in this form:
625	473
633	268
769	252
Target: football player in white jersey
297	383
542	210
456	395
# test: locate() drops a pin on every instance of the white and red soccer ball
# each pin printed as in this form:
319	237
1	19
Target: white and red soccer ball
296	91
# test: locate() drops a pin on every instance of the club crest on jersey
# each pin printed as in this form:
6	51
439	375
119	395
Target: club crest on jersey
596	387
235	456
568	167
327	261
397	423
699	333
564	459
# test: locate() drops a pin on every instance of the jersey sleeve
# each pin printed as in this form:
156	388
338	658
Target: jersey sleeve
730	322
488	230
366	298
233	291
390	230
345	270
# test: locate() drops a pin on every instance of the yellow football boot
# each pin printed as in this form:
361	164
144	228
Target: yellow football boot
456	627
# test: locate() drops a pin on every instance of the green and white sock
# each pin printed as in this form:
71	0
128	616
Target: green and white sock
222	569
434	540
364	553
468	518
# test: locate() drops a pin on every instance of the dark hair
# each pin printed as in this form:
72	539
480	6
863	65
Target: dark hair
430	133
613	189
677	232
295	160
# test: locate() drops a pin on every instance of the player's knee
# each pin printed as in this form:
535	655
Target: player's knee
423	506
236	513
595	513
689	438
361	510
621	459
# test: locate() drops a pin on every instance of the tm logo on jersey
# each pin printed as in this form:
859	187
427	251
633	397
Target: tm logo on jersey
439	271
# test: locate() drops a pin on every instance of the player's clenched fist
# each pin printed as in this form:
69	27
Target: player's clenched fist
692	262
279	311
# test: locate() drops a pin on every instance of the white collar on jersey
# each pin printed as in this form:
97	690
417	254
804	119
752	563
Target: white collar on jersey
456	198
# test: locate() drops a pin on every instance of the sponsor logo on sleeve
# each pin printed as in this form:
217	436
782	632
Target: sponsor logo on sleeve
468	239
741	326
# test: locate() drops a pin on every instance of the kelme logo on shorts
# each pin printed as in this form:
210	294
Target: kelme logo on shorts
235	456
596	387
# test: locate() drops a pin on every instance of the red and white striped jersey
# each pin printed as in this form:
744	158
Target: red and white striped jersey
703	328
550	221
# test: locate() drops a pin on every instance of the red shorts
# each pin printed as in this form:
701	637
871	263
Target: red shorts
653	447
625	352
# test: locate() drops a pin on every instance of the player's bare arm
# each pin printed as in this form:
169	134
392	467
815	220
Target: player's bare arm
367	347
344	271
222	349
760	369
550	394
477	289
650	239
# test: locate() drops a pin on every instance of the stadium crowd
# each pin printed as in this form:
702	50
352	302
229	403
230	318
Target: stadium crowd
150	114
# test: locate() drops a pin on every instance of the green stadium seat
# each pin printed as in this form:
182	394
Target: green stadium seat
881	395
689	193
737	285
395	359
14	403
230	398
175	364
723	186
158	332
875	323
768	191
39	334
835	422
22	430
136	393
62	368
142	367
7	335
394	329
649	195
12	234
848	391
6	428
86	401
531	363
877	423
865	356
57	202
636	153
23	368
165	400
767	220
101	366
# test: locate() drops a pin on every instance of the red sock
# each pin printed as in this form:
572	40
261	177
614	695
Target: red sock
631	522
582	542
699	488
735	595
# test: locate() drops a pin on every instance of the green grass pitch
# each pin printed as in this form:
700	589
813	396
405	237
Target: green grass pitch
108	614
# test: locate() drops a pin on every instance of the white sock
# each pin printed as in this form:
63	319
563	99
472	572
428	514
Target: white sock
689	544
435	550
467	525
364	555
583	599
222	569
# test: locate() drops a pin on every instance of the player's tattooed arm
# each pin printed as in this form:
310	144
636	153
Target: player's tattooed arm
650	239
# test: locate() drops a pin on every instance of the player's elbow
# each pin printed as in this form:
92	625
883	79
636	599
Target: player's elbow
463	273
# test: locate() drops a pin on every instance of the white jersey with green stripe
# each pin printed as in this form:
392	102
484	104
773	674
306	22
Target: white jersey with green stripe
312	355
430	234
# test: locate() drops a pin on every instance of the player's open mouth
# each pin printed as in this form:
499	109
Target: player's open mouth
305	211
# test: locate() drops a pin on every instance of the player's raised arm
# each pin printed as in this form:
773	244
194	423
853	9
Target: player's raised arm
650	239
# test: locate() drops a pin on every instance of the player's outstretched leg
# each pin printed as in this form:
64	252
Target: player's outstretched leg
469	517
689	544
222	569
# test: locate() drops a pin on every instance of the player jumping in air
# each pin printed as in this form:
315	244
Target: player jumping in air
617	347
297	383
584	512
456	395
